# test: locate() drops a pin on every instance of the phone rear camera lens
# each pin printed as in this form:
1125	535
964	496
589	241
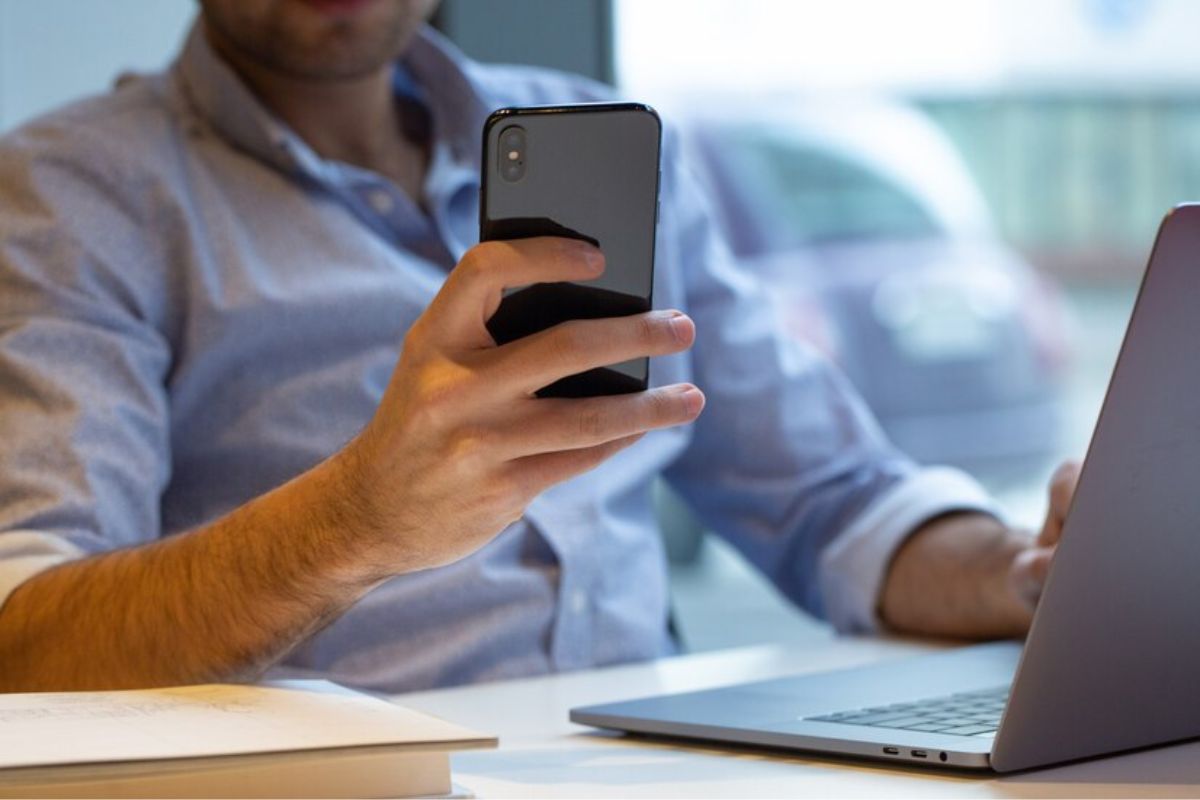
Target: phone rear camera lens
513	137
512	172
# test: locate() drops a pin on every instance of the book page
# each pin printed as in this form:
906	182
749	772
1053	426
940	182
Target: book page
209	720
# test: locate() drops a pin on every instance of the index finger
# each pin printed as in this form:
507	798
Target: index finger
579	345
476	285
1062	489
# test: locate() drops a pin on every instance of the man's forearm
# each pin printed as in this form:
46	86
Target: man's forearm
220	603
952	577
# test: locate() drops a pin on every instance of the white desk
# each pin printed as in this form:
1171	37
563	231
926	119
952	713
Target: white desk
543	755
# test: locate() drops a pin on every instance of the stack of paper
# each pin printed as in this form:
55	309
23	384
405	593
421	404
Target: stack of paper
292	739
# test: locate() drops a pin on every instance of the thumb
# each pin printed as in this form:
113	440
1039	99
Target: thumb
1028	574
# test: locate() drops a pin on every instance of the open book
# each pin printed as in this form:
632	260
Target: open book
288	739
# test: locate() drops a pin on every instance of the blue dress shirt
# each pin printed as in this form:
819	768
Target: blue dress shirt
195	307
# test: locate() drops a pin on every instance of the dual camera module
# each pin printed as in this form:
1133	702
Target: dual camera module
512	153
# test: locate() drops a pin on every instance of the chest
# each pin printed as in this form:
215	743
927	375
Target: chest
289	310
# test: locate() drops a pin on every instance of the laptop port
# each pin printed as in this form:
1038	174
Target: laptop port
891	751
943	755
920	754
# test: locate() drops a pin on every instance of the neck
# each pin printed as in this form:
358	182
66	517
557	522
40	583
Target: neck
355	121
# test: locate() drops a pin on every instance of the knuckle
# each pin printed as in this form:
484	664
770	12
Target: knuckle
567	341
592	423
470	444
662	407
428	418
481	253
468	265
648	330
438	397
476	262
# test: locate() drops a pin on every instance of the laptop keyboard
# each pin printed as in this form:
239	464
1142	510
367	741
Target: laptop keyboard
966	714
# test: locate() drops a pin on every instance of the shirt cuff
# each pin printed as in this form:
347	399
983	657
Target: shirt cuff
852	567
24	554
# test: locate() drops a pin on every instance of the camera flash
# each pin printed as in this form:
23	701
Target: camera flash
513	155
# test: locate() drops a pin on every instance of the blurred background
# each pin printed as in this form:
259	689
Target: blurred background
954	199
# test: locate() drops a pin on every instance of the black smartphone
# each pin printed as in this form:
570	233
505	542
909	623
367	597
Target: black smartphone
588	172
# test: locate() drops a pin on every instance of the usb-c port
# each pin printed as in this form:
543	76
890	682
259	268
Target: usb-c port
920	754
892	751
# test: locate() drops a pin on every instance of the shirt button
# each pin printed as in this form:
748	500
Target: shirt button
579	601
381	201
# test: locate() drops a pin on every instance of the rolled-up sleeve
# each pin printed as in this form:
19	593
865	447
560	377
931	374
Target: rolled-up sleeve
84	442
786	462
24	554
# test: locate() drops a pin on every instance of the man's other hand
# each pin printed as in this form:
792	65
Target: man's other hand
460	444
968	575
1031	565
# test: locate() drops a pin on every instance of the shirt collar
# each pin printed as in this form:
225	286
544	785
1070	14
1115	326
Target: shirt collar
458	106
433	70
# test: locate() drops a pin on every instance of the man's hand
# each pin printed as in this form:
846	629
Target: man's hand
460	444
458	447
1031	565
967	575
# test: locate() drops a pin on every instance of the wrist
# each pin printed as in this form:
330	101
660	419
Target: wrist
351	514
329	535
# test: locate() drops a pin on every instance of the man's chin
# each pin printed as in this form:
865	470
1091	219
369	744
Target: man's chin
315	40
340	9
334	69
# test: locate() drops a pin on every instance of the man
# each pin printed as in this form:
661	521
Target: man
214	465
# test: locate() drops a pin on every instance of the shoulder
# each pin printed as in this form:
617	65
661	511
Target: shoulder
110	138
508	84
513	85
83	197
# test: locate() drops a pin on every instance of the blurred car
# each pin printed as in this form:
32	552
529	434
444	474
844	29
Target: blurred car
880	251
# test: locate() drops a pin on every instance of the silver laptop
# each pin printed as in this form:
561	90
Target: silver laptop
1112	661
